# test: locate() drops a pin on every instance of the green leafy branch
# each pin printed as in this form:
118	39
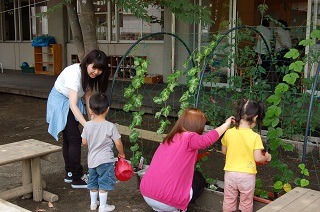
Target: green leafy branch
134	105
273	118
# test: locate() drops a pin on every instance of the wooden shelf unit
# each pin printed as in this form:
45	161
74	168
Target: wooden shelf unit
47	60
127	70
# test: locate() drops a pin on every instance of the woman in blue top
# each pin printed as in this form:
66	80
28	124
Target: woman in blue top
65	108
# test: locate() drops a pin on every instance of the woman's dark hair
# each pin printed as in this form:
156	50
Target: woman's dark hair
99	103
283	24
247	110
191	120
99	60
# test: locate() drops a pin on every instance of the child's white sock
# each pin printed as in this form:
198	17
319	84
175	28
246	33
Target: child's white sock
103	198
94	197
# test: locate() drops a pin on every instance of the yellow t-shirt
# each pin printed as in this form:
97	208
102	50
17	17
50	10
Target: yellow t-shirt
240	145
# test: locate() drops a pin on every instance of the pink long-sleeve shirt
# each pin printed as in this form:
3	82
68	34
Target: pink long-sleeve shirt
169	176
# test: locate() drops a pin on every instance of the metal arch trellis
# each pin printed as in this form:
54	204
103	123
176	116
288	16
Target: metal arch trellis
137	42
304	152
212	51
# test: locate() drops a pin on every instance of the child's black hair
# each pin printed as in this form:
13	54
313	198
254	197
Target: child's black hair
99	103
247	110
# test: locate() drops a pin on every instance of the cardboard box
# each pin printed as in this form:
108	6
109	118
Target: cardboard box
152	79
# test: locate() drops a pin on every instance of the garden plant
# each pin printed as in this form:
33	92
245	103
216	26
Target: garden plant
286	101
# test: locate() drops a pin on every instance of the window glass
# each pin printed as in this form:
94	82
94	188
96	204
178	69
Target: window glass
9	20
157	23
124	25
101	19
1	22
133	28
25	19
39	23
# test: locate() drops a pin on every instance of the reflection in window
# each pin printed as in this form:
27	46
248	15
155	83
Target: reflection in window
133	28
39	23
101	19
125	25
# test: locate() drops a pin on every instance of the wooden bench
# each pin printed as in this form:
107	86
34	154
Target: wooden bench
29	152
298	199
9	207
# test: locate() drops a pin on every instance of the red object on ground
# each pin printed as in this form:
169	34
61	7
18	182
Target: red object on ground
202	155
123	170
262	163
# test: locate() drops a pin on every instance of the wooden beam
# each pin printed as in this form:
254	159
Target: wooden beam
144	134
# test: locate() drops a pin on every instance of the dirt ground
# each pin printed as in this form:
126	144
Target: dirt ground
24	118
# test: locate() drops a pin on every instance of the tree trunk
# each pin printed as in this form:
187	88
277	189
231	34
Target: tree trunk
88	25
75	28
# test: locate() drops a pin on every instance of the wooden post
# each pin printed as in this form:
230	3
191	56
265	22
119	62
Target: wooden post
36	179
26	175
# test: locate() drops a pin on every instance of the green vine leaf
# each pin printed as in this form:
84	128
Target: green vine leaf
304	182
198	57
306	42
128	92
282	87
207	50
185	97
135	147
297	66
275	122
274	144
127	107
157	100
145	64
165	94
171	86
278	185
275	99
315	34
134	136
140	71
163	125
287	146
264	194
137	82
137	100
193	84
293	53
136	61
291	78
273	110
184	105
193	71
157	115
258	183
166	111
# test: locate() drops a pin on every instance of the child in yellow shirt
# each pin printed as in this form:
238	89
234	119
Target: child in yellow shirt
242	147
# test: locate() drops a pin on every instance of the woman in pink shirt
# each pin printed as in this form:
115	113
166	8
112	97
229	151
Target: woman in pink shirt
167	184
